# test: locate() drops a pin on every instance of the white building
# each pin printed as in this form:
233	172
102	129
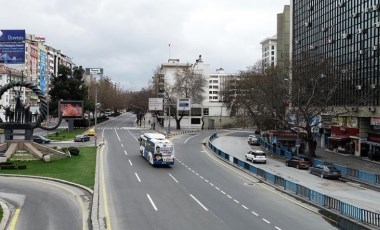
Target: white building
212	109
268	49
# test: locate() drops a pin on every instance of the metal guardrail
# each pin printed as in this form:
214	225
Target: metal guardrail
348	210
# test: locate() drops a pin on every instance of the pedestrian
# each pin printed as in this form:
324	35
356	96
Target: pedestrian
154	125
149	122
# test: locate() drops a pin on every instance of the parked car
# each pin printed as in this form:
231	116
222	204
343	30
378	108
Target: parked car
91	132
256	156
300	162
326	170
82	138
253	140
40	139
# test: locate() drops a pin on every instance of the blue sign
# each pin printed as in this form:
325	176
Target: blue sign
42	70
12	35
12	46
12	53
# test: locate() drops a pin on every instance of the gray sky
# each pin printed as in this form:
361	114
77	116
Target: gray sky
130	38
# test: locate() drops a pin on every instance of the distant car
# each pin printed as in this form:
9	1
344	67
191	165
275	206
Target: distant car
300	162
40	139
91	132
82	138
257	156
253	140
326	170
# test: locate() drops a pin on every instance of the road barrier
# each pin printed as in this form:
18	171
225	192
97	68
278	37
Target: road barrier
348	210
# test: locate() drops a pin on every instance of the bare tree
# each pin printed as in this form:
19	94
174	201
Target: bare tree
188	84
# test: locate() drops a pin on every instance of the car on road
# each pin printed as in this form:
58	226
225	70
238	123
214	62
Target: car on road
257	156
253	140
82	138
299	162
40	139
326	170
91	132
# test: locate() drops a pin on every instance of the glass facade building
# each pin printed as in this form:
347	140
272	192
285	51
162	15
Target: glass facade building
348	33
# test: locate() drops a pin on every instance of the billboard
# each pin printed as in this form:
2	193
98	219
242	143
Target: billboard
42	68
71	109
184	104
156	104
94	71
12	46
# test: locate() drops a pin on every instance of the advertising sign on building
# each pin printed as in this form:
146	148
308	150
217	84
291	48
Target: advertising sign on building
71	109
94	71
12	46
184	104
375	120
156	104
42	69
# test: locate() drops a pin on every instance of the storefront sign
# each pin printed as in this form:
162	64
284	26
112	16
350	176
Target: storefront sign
375	120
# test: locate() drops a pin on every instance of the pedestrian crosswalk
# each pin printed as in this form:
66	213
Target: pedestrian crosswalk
120	128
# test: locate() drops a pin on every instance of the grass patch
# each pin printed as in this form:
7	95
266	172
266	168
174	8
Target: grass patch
78	169
64	135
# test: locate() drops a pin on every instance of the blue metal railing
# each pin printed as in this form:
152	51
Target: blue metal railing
345	209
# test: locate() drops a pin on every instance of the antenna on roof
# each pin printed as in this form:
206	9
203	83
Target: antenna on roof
169	51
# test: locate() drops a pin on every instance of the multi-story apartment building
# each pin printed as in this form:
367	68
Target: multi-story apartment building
268	50
211	109
348	33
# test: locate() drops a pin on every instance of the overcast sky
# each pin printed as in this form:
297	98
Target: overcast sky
130	38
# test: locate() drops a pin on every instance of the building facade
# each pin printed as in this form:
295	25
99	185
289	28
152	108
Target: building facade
283	35
209	113
268	50
347	33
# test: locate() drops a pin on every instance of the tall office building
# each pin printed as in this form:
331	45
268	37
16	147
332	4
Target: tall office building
347	32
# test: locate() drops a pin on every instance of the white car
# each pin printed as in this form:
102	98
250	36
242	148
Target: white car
256	156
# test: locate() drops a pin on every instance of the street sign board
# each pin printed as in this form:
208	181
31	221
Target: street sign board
94	71
156	104
184	104
12	46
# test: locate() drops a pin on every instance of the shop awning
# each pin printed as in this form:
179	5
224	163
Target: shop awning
339	138
371	143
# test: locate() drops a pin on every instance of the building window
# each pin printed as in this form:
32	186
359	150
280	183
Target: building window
210	97
272	52
272	47
196	112
210	81
215	92
214	87
210	87
216	98
209	92
214	81
195	121
205	111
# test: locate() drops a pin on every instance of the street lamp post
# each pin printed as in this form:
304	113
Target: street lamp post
96	110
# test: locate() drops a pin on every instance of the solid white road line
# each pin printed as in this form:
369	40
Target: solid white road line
173	178
132	135
266	221
130	162
198	202
125	152
138	178
190	138
151	201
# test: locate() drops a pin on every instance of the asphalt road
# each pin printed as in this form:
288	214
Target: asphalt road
198	192
41	205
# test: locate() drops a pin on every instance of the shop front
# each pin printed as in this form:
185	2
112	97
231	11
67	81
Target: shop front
286	140
371	146
344	139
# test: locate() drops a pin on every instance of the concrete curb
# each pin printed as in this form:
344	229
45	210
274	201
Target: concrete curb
6	214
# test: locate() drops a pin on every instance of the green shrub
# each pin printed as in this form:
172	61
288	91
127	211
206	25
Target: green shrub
73	151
